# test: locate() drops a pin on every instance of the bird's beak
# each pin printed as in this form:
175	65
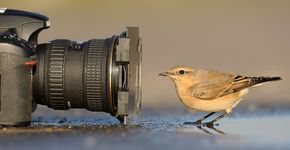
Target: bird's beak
165	74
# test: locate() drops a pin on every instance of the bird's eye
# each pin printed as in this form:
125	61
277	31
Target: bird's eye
181	72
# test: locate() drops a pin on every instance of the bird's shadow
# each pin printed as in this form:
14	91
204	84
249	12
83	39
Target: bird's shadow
204	128
208	129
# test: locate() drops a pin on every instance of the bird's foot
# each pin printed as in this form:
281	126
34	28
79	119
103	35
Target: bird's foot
209	124
197	123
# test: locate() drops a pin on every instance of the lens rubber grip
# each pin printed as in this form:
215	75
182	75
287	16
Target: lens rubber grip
55	93
94	78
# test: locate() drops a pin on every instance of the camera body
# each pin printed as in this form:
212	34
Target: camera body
98	75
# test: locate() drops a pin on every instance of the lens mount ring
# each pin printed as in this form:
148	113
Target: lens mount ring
110	85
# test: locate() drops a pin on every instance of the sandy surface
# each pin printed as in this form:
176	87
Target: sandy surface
259	128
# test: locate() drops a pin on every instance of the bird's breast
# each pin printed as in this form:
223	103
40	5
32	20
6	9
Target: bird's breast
214	105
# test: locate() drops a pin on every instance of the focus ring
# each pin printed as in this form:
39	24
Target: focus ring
56	75
93	79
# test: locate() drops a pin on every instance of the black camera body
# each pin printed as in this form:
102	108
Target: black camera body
98	75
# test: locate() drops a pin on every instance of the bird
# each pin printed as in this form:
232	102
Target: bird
211	91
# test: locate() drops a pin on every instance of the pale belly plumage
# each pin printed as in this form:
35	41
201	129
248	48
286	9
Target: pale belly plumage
225	103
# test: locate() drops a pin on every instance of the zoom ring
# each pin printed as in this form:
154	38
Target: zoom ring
56	75
94	78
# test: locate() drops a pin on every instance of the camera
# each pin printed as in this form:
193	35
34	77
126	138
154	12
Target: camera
97	75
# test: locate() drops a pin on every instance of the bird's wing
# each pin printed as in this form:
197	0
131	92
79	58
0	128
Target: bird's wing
218	85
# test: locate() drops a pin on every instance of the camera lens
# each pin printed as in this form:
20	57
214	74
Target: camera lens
98	75
72	74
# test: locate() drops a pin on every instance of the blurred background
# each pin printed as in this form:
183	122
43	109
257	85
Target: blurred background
248	37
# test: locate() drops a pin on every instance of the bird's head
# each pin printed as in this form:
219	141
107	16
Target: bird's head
179	73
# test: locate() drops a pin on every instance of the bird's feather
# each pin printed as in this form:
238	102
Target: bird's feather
213	84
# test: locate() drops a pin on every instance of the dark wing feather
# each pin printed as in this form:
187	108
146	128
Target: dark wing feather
220	86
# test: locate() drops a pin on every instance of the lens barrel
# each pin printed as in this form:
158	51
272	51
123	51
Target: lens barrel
72	74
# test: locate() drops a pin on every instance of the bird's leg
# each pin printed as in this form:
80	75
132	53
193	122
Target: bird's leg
198	122
211	123
203	118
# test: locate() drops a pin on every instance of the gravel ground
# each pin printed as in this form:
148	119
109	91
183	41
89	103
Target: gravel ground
247	128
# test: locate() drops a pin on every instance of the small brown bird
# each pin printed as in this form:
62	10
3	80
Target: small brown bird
211	91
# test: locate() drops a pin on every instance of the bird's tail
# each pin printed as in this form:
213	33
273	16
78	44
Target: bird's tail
259	80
